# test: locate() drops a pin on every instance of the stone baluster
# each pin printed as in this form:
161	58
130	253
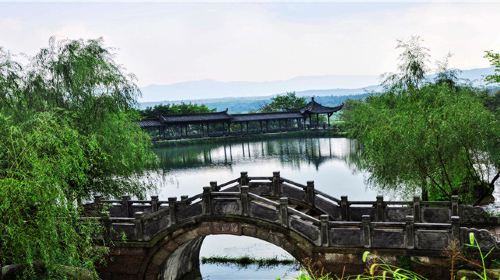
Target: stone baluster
455	228
454	205
324	221
365	219
172	210
244	200
416	209
126	211
380	208
344	208
214	186
154	203
276	184
283	211
98	204
183	200
410	231
106	222
309	193
206	201
139	226
243	178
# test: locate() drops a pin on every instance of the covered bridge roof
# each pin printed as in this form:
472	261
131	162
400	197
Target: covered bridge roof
266	116
149	123
196	118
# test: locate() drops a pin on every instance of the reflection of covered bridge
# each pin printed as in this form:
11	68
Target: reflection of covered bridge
223	124
161	239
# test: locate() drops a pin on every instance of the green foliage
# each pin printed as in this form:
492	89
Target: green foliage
283	103
174	109
494	59
40	160
442	140
412	67
68	132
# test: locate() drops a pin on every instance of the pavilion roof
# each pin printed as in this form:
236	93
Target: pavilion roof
196	118
316	108
266	116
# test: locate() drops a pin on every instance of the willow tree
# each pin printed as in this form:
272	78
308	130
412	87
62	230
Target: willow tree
68	132
435	137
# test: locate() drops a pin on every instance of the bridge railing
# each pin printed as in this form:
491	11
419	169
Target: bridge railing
278	193
338	209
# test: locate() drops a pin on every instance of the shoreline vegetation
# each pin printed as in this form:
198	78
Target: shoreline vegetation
245	261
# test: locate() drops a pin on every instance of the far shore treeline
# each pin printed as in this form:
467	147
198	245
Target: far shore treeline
69	131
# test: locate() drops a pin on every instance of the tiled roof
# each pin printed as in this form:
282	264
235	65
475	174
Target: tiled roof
316	108
194	118
266	116
149	123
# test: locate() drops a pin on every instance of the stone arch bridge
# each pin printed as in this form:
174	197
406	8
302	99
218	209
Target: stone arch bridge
153	239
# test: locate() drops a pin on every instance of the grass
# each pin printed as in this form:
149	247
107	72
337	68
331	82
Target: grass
245	261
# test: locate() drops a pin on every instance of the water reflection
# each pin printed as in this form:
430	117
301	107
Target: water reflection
186	169
292	153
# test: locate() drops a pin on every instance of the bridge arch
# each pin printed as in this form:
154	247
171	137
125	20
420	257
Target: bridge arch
176	252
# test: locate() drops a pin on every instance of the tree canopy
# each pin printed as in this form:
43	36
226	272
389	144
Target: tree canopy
68	132
437	137
175	109
283	103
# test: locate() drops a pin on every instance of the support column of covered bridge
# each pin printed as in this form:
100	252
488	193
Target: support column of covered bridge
153	238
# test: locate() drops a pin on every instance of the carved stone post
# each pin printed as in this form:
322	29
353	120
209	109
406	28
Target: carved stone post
243	178
344	208
183	200
107	228
214	186
244	200
325	240
455	228
309	193
454	205
283	209
98	204
410	232
126	211
206	201
365	219
154	203
139	226
276	185
380	208
416	209
172	210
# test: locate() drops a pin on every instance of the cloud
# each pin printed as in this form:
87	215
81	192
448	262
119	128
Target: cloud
166	43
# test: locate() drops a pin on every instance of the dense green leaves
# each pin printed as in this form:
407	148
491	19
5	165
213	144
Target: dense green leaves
283	103
494	59
174	109
442	140
68	132
41	160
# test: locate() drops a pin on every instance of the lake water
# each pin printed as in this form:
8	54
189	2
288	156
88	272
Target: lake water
186	169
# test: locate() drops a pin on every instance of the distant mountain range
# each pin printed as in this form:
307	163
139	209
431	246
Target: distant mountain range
304	86
242	97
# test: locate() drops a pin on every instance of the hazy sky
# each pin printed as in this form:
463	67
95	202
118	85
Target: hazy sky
167	42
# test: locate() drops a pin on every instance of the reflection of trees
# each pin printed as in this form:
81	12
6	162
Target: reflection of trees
293	152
